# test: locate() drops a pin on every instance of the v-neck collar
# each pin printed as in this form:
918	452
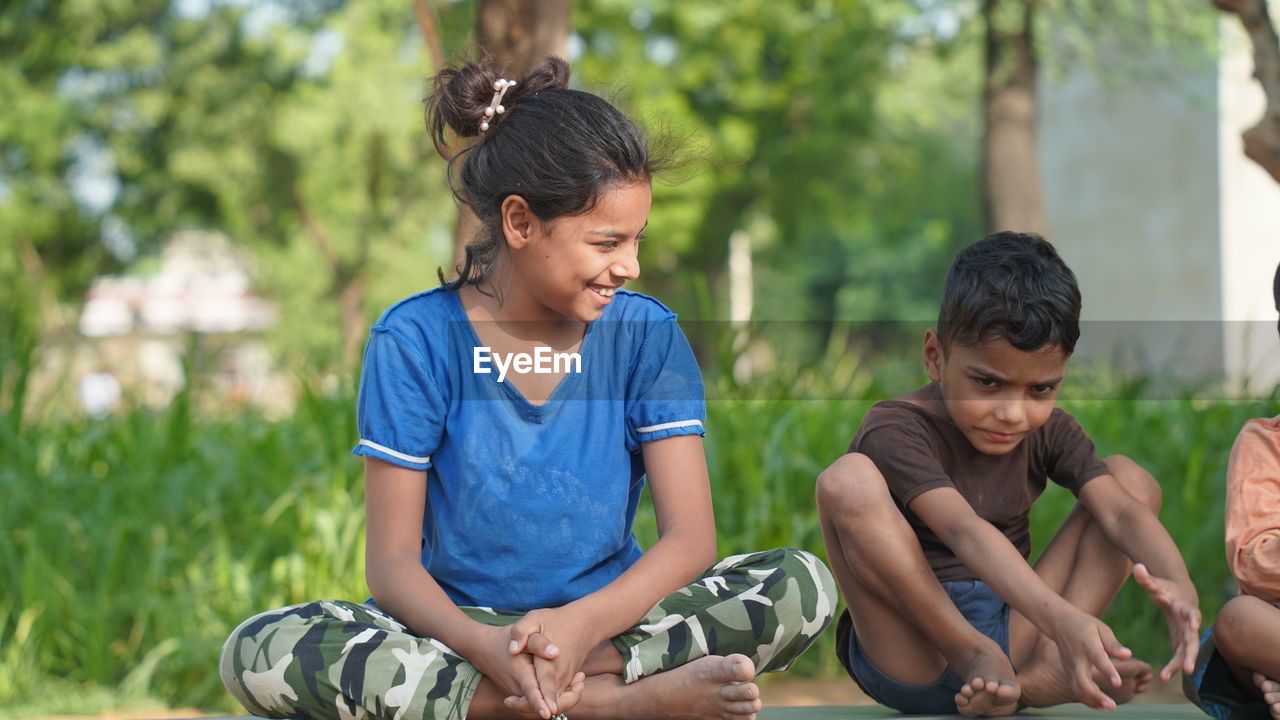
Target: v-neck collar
562	388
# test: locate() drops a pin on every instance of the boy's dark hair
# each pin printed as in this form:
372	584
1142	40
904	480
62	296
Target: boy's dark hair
1275	287
1012	286
1275	290
557	148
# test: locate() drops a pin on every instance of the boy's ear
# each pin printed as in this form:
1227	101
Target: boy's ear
933	355
517	221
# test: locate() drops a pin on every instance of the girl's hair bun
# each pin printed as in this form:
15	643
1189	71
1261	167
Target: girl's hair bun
459	96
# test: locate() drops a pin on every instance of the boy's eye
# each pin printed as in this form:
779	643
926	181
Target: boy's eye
608	245
1043	389
985	382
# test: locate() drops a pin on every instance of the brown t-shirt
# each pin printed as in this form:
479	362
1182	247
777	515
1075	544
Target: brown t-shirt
919	448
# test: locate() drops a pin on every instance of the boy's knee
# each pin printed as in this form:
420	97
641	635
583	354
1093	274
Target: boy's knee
1236	625
851	484
1135	478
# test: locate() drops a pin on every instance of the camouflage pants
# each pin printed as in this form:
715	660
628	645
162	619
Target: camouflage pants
335	659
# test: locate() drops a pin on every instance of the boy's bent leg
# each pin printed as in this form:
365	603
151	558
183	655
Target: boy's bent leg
894	598
1247	636
1087	570
333	659
769	606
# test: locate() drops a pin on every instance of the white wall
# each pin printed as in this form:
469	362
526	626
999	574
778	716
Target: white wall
1168	227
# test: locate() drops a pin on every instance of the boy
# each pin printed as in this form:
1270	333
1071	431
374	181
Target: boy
1237	678
926	519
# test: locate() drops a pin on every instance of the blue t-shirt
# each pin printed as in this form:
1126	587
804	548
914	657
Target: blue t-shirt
528	506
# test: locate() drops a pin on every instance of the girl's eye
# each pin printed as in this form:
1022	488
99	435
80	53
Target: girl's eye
985	382
1042	389
610	245
641	236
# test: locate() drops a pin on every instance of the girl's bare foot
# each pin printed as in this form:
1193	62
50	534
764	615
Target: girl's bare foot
990	686
1270	693
710	688
1046	683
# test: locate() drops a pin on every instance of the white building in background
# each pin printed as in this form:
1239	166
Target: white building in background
138	325
1173	232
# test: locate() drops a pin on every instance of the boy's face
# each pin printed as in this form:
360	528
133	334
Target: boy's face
996	393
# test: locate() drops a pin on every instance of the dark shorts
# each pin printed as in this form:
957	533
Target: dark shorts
1217	690
979	604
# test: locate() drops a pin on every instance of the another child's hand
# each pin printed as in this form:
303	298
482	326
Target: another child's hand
510	669
1086	646
559	645
1181	606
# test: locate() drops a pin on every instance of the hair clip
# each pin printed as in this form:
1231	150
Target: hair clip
500	87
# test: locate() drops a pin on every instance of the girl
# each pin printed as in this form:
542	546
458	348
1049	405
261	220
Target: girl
508	421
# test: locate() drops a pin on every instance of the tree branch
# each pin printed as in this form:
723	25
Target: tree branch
430	33
1262	141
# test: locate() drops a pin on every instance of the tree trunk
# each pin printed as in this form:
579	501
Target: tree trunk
1011	194
513	35
1262	141
516	34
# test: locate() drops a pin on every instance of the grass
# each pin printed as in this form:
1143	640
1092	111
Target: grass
134	543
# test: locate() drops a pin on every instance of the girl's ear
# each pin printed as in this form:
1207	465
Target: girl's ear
932	355
517	221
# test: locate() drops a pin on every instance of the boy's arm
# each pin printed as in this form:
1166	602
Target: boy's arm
1131	526
1084	642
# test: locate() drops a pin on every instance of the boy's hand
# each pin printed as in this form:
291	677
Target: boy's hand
1086	646
559	645
1181	607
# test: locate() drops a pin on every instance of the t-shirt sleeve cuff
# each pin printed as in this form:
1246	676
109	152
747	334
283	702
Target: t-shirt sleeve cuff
368	448
649	433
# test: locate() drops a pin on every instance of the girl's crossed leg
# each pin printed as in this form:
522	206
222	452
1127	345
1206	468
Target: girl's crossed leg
694	653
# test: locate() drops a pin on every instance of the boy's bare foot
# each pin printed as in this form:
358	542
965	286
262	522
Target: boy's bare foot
990	686
1270	693
1045	684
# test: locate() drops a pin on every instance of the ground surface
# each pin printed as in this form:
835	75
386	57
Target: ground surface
837	699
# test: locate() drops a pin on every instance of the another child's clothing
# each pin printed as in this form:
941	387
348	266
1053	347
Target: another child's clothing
977	602
1253	554
1253	509
529	506
1216	690
920	448
334	659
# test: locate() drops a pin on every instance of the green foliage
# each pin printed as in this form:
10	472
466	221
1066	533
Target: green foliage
844	152
137	542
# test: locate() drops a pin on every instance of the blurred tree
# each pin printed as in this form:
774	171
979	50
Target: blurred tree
514	35
1262	141
290	125
1012	198
819	129
1023	37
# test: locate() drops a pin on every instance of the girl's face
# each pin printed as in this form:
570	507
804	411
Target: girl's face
571	266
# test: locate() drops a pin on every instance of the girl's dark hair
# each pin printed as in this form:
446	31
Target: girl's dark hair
557	148
1012	286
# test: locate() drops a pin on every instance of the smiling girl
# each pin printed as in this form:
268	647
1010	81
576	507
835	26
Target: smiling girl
506	579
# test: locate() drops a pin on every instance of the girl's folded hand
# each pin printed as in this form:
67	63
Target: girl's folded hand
558	644
512	671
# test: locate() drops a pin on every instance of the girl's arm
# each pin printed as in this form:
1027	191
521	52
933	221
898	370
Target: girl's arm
395	499
686	547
